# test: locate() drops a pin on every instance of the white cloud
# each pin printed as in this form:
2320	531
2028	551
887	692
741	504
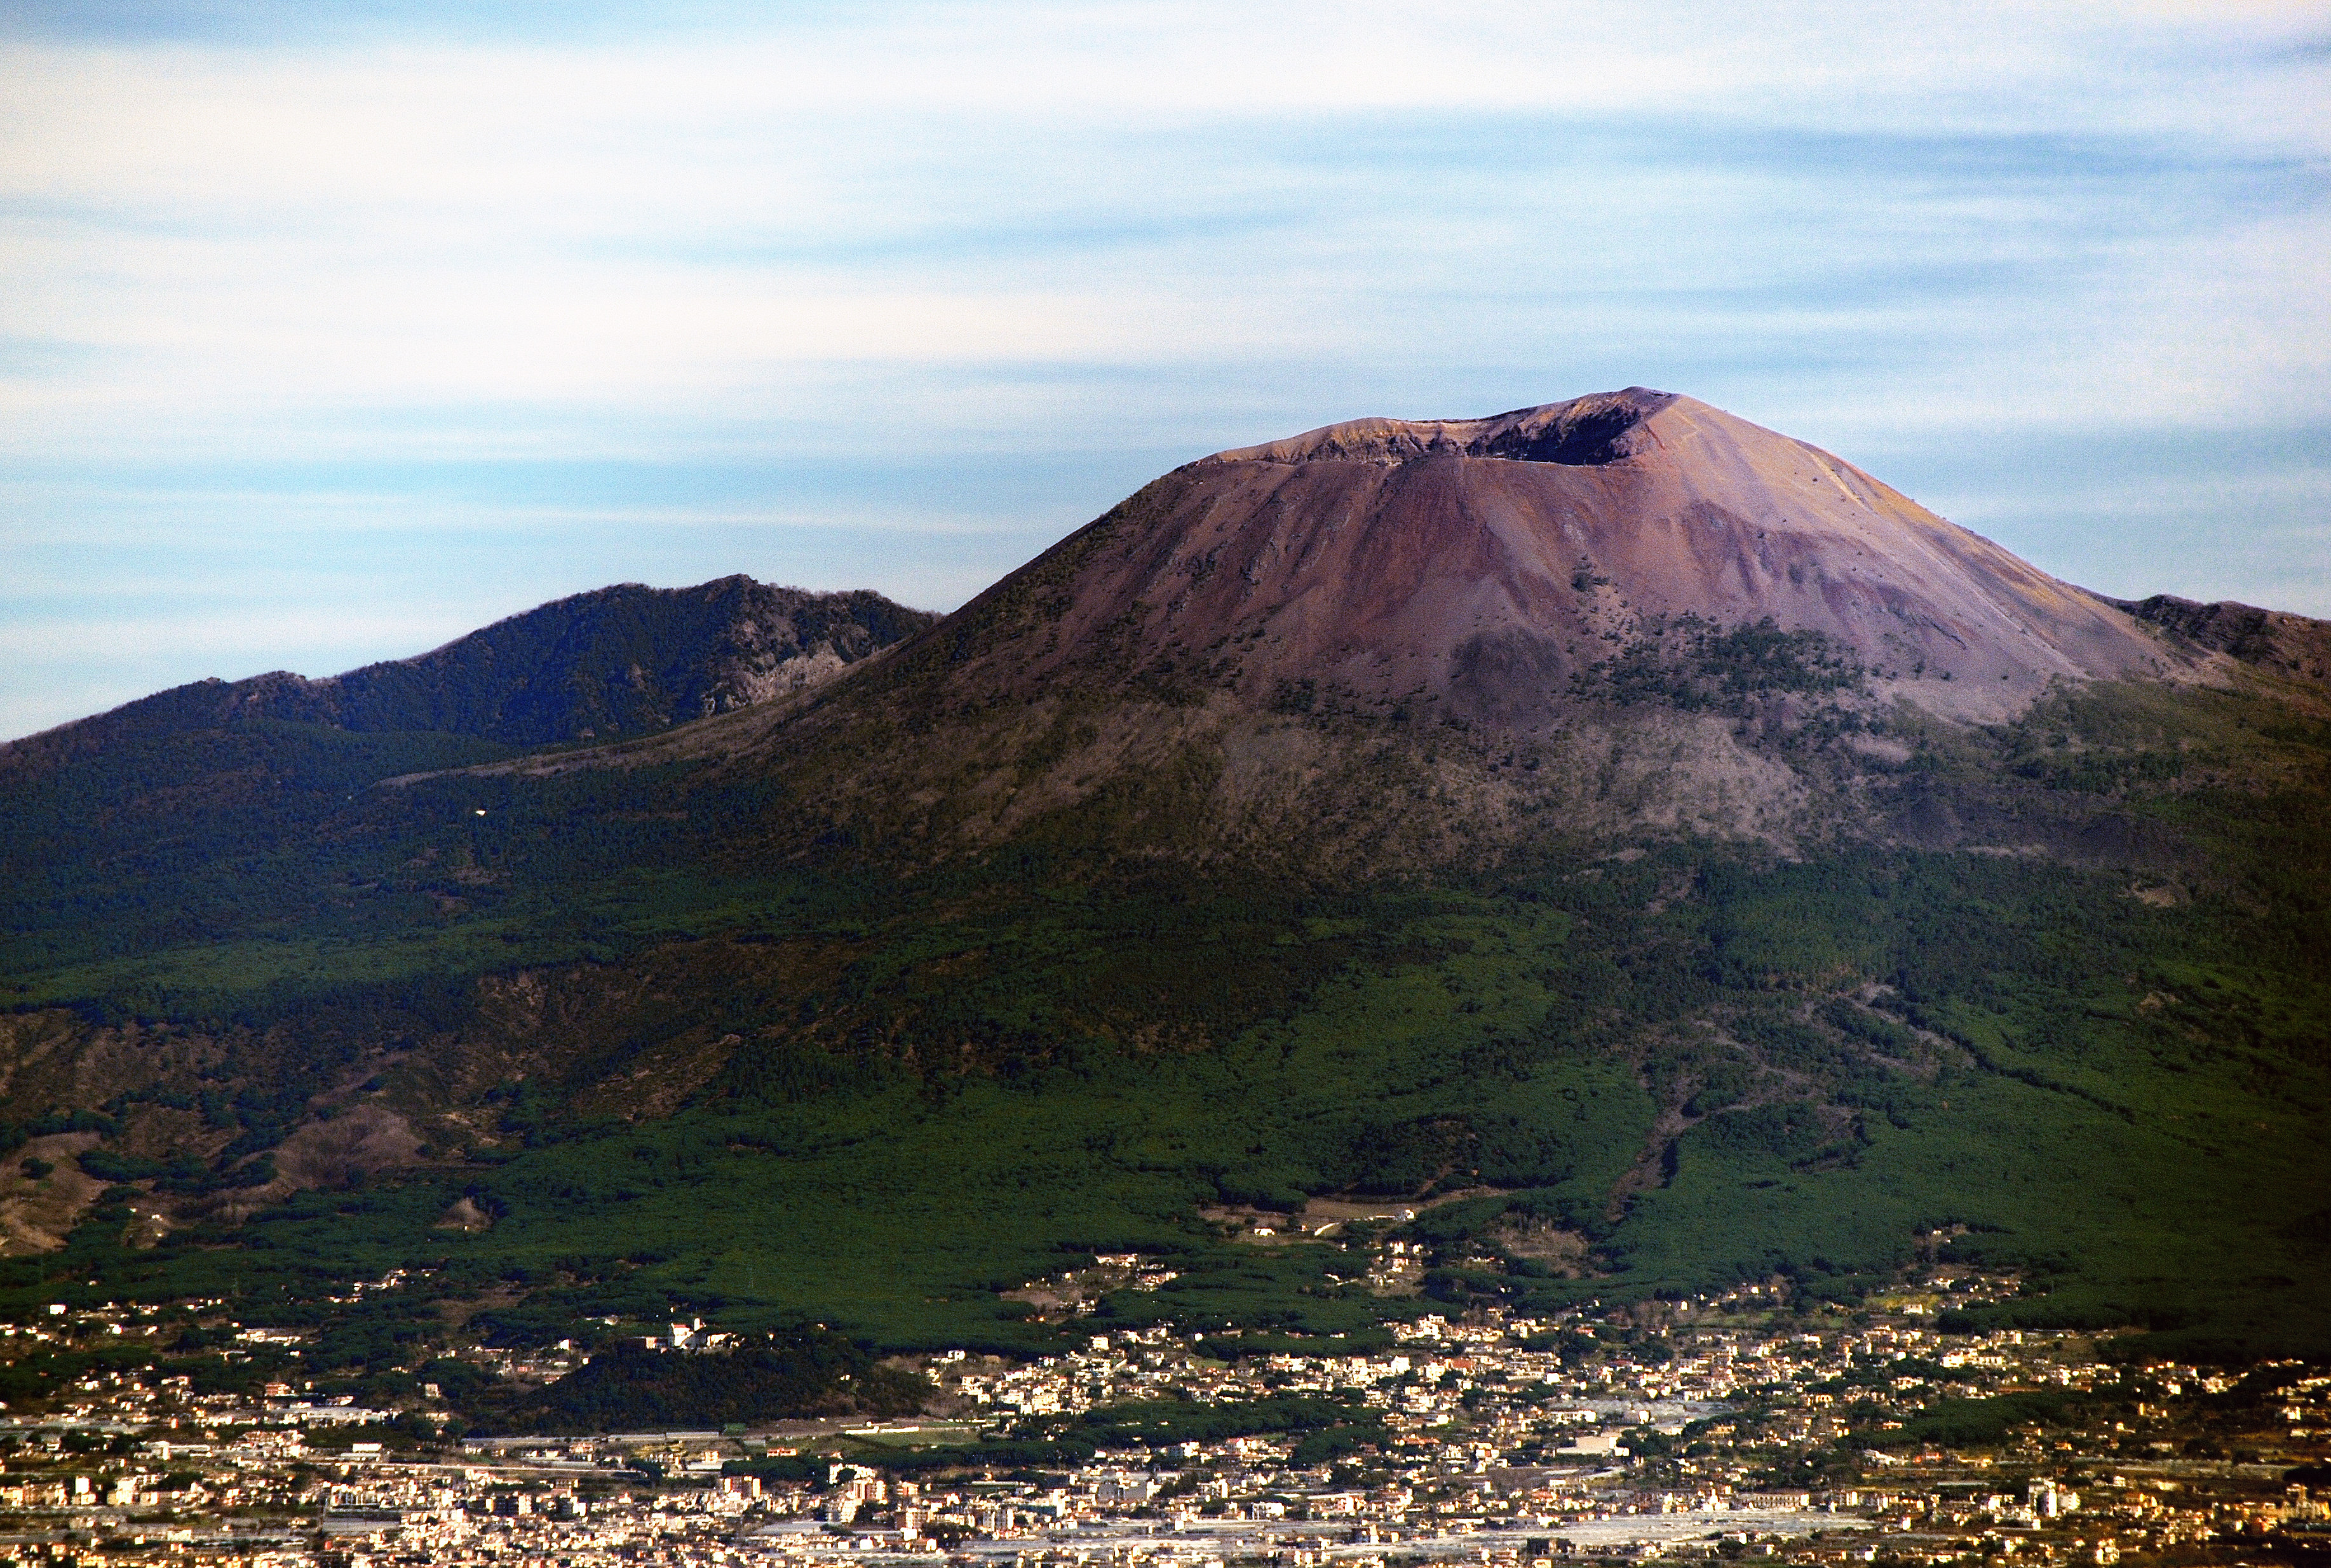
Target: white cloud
1034	233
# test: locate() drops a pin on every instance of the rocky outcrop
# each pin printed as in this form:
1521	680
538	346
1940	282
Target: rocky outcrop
2291	646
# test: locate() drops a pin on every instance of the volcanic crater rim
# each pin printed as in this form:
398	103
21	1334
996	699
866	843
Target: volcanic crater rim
1589	431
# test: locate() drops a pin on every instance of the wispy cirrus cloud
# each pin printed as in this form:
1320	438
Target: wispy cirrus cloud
532	283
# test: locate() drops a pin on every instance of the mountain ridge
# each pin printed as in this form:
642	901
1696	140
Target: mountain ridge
564	670
2293	647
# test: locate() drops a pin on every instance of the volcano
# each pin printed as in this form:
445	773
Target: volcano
1686	855
1681	619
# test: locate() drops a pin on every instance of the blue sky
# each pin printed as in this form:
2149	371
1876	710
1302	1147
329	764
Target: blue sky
330	332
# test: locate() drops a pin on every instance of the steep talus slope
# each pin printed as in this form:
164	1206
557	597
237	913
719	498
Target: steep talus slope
1492	561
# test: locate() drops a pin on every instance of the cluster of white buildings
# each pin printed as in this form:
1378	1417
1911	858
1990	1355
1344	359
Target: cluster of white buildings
1514	1443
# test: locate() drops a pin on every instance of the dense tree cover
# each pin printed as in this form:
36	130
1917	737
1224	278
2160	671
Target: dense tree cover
1332	1424
780	1375
1521	1038
2099	1071
1965	1423
1692	663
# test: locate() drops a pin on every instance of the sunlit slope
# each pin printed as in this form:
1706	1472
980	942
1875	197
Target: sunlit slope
1485	562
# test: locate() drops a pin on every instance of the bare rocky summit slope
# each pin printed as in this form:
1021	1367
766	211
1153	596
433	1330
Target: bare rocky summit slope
1492	562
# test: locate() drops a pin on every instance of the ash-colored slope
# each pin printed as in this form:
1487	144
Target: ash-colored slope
1490	562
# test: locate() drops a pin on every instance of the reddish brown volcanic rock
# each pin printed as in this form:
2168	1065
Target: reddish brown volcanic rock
1489	561
1391	643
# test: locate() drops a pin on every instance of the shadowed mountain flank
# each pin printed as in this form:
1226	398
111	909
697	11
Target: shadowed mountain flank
621	660
616	661
172	783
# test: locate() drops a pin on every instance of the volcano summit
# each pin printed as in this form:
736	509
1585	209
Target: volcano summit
1493	563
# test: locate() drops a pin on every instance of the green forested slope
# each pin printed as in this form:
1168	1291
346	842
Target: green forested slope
882	1100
